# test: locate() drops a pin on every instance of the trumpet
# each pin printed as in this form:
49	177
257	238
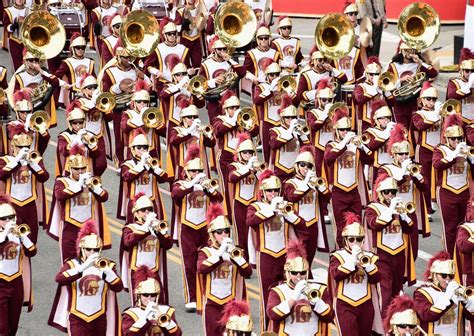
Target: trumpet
302	129
317	182
464	292
414	168
210	183
33	156
235	252
467	150
259	166
205	128
93	182
310	291
363	259
153	162
159	225
89	139
408	207
357	140
103	263
162	319
284	207
21	230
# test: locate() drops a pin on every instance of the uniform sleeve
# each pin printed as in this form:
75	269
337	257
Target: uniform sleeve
337	270
277	309
178	192
314	122
129	330
131	238
206	263
254	217
41	175
221	128
360	96
462	241
331	153
275	141
425	310
65	277
61	192
439	162
453	92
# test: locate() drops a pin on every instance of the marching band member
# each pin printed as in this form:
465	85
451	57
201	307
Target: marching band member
144	317
410	182
427	121
24	176
23	109
405	64
192	195
344	158
378	136
12	18
133	118
157	65
214	69
243	186
254	57
221	271
97	121
320	123
145	241
465	245
440	304
266	99
305	193
192	24
390	228
236	319
226	130
76	134
76	199
288	46
85	302
272	225
190	131
292	308
15	269
320	68
286	140
453	169
461	87
401	318
367	93
99	19
354	272
108	44
74	67
119	79
140	174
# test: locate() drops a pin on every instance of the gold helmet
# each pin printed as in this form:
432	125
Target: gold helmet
285	21
466	59
383	182
341	120
22	101
398	142
88	238
400	311
452	127
287	109
271	67
77	41
380	110
137	138
175	64
189	111
296	258
76	158
353	227
351	8
268	180
262	31
324	90
245	144
217	220
229	99
117	19
19	137
141	91
306	155
216	43
167	26
6	209
87	80
236	317
428	91
146	283
441	263
141	201
192	161
74	112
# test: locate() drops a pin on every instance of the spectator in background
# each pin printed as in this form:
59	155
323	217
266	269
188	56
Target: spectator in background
375	10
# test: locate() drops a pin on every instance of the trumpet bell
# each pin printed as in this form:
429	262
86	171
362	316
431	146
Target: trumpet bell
235	24
198	85
152	117
43	34
419	25
334	36
387	81
140	33
40	120
105	102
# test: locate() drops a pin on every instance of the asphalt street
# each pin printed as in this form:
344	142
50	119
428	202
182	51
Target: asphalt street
47	263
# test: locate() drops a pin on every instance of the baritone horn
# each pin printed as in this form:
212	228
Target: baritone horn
287	84
387	81
334	36
450	106
235	24
40	121
247	118
140	33
419	25
21	230
105	102
152	117
198	85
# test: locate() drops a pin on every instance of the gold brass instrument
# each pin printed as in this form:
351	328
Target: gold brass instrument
159	225
103	263
37	5
39	92
210	183
198	85
235	24
365	138
302	128
153	162
2	96
199	20
317	182
21	230
287	84
464	292
467	150
247	118
105	102
450	106
89	139
33	156
94	181
414	168
152	117
284	207
363	259
230	80
387	81
140	33
235	252
408	208
205	128
334	36
410	86
310	291
162	320
40	121
419	25
259	166
43	34
335	106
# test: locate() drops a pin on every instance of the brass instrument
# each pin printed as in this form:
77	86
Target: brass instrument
334	36
37	5
105	102
231	80
235	252
464	292
335	106
363	259
210	183
140	33
153	162
198	85
357	140
21	230
159	225
33	156
43	34
247	118
235	24
414	168
303	129
205	128
200	19
387	81
467	150
152	117
419	25
39	92
103	263
310	291
284	207
450	106
408	208
317	182
89	139
259	166
162	320
287	84
365	138
410	87
40	121
93	182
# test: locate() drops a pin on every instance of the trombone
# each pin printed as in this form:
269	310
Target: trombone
21	230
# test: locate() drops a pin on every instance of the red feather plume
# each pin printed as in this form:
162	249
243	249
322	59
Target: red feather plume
350	217
137	132
226	95
396	135
380	178
118	44
212	41
192	153
285	102
378	104
142	274
164	21
440	256
452	120
308	148
15	129
265	174
234	308
346	4
339	113
173	60
83	78
323	83
137	196
184	103
88	228
241	137
142	85
373	59
215	210
23	94
294	249
398	305
5	198
262	24
77	150
72	106
465	54
75	35
313	49
282	17
265	62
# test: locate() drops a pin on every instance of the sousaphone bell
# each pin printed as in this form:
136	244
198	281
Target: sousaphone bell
334	36
152	117
419	25
140	33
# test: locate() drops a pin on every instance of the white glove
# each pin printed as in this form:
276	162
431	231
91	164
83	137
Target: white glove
394	202
22	154
356	250
6	230
471	79
81	132
198	187
251	162
183	81
451	289
386	132
293	124
224	246
88	263
404	217
27	121
437	106
275	201
274	84
150	218
459	148
150	311
84	177
298	290
198	178
194	126
145	156
349	136
405	165
137	120
309	175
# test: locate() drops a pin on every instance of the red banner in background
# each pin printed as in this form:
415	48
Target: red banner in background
449	11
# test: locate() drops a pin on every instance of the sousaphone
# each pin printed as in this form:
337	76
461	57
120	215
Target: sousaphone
419	25
140	33
235	24
334	36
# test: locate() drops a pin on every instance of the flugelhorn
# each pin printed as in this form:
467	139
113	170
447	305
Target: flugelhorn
310	291
159	225
198	85
21	230
33	156
40	121
363	259
210	183
464	292
450	106
414	168
93	181
152	117
103	263
204	128
162	319
105	102
419	25
247	118
287	84
89	139
408	208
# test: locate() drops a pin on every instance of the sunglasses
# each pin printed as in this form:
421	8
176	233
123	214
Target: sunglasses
77	122
305	164
468	70
389	191
456	138
445	276
7	218
273	190
142	101
290	117
321	60
20	147
233	107
274	74
149	209
263	38
192	117
298	272
195	170
352	13
373	73
354	239
80	48
181	74
404	326
431	99
79	168
118	25
144	147
221	49
285	28
221	231
92	249
403	154
247	152
172	34
325	100
344	129
33	60
153	295
91	87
